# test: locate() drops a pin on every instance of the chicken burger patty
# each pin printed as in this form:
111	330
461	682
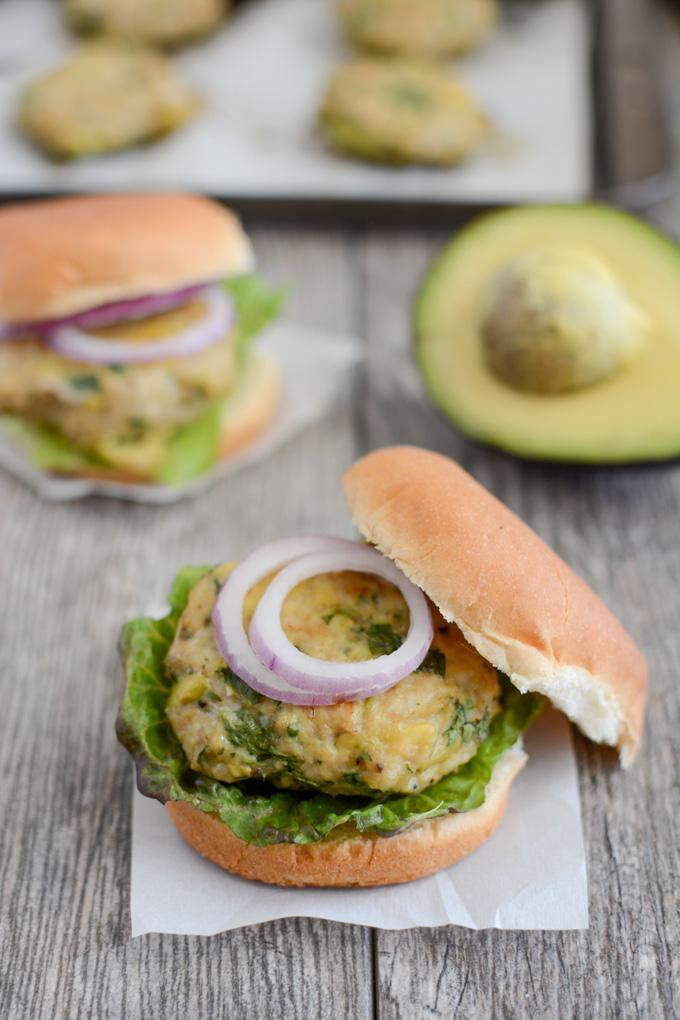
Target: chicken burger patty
106	96
157	22
398	112
429	28
122	413
400	741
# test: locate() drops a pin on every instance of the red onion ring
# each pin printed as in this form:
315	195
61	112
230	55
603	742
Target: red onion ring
335	554
107	315
227	616
73	342
273	648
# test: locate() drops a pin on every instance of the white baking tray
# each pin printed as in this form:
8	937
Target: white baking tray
262	77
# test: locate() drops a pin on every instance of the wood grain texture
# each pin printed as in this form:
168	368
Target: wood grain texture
71	574
633	145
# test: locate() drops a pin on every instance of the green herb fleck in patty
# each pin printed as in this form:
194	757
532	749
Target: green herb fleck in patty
85	383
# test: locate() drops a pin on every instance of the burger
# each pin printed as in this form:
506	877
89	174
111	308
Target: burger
125	329
338	713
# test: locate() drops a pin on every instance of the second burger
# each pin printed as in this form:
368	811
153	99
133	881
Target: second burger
125	323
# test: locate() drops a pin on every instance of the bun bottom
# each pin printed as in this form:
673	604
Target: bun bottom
247	414
359	860
251	409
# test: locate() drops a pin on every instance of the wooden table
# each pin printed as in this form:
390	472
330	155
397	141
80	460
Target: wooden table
72	573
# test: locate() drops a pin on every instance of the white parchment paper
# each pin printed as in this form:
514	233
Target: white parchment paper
315	366
530	874
262	78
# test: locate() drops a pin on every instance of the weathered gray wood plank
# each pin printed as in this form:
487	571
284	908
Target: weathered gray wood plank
70	575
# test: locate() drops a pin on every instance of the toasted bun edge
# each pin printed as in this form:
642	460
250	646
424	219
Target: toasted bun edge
513	598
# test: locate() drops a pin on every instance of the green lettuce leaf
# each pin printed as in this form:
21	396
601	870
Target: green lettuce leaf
259	814
256	306
193	447
191	450
45	447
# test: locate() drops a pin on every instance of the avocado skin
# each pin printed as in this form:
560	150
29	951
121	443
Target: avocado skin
491	432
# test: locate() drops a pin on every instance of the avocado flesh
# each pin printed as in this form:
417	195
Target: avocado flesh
632	415
556	319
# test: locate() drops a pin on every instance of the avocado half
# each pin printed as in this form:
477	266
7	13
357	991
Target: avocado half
634	415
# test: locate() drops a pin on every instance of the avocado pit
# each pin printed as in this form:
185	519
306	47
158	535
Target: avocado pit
556	320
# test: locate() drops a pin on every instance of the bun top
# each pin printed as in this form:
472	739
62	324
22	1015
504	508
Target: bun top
62	256
513	598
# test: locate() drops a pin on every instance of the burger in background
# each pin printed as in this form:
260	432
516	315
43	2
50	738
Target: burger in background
126	323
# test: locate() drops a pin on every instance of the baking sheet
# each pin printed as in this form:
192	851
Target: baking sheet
315	368
262	77
531	874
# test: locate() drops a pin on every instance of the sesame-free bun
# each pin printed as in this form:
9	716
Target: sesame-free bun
356	860
247	414
513	598
65	255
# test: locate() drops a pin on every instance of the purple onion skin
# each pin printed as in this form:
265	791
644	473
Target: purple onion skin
107	315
